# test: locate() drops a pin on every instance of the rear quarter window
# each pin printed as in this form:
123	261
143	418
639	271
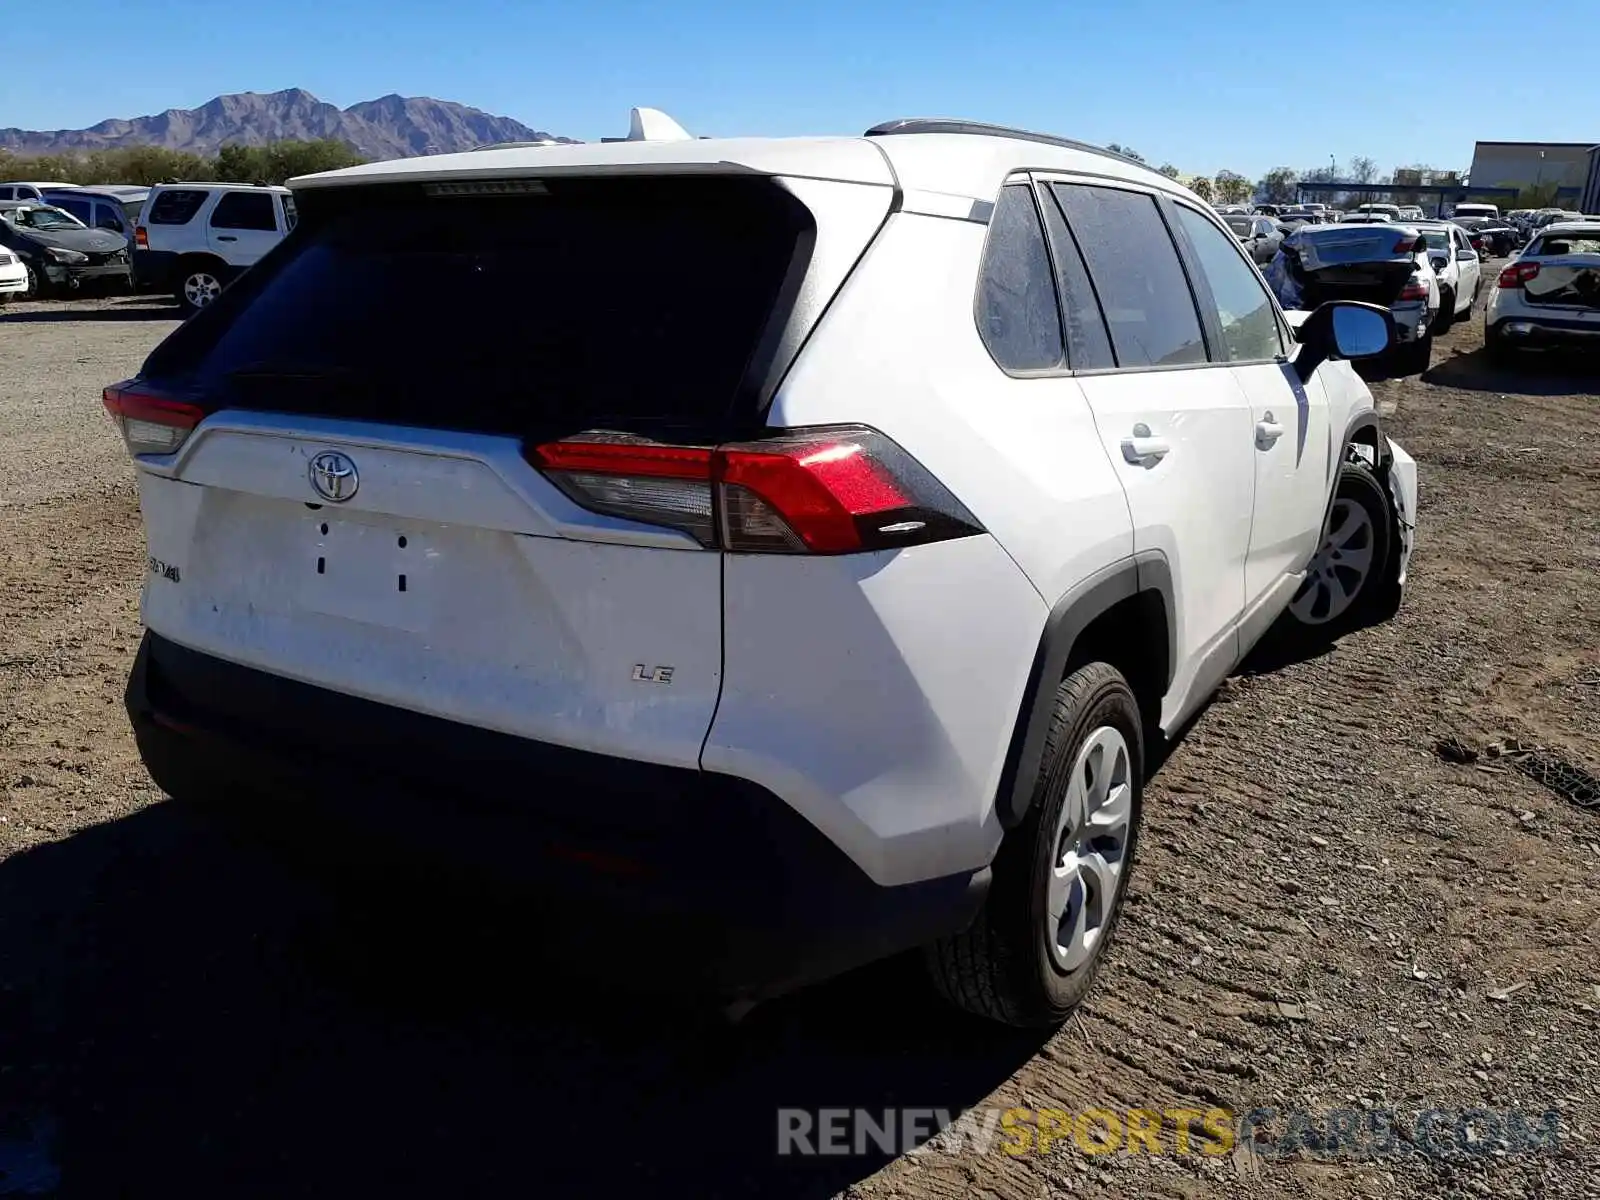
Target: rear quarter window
176	207
1018	314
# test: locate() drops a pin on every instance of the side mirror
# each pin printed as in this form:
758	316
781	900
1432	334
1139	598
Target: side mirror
1466	256
1346	329
1439	261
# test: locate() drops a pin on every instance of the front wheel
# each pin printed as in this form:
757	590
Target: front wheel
1032	953
1344	578
38	286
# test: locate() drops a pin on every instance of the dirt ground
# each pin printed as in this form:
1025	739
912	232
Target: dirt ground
1325	915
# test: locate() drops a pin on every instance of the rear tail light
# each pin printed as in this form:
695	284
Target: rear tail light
150	423
1518	274
141	237
815	491
1415	289
1409	245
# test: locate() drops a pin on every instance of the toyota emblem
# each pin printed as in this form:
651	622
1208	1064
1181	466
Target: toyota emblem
334	477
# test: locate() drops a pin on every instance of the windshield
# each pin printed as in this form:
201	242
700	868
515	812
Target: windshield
1240	225
45	218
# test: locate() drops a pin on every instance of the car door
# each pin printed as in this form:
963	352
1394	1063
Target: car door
1290	428
1176	426
243	227
1470	269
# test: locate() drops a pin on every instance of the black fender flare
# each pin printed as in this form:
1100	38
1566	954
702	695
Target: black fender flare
1069	617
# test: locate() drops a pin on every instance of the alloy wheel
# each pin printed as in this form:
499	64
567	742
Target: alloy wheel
1092	840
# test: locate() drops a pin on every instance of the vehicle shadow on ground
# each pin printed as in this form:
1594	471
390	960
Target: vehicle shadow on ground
1550	373
190	1016
140	309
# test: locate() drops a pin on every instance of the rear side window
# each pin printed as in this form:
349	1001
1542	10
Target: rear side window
1088	341
620	304
245	210
1244	309
1018	316
81	209
107	216
176	207
290	214
1143	290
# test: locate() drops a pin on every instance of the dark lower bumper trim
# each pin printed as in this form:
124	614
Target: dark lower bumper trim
725	886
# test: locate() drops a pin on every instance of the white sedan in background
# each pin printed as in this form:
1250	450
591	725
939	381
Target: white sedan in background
13	276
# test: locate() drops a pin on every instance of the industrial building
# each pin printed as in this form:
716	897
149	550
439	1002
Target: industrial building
1567	165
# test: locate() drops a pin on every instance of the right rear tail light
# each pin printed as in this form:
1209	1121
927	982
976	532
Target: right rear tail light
837	490
1518	274
1415	289
141	237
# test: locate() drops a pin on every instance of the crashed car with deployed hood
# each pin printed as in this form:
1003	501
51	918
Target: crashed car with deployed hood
1380	264
60	251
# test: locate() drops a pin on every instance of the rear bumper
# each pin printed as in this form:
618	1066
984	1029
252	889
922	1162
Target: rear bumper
1528	328
714	881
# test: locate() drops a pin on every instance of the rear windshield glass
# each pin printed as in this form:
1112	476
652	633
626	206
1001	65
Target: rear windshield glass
1240	225
1571	243
176	208
619	304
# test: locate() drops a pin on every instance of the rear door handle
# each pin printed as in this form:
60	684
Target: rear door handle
1143	450
226	237
1268	431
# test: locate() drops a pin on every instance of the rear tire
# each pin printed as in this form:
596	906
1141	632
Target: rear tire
1031	955
199	283
1447	311
1414	358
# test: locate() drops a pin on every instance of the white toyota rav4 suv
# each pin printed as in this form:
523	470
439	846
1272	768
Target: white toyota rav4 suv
780	553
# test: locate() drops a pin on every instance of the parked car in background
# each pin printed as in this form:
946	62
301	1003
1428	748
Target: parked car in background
13	275
59	251
1259	236
1411	212
112	207
1490	234
21	190
193	239
1373	263
1386	212
600	478
1476	210
1549	295
1456	264
1364	218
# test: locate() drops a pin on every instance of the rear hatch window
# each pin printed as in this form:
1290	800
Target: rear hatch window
637	304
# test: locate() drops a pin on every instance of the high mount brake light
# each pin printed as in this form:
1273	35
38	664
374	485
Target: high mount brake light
150	423
1518	274
812	491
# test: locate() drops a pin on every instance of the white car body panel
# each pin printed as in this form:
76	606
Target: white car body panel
888	727
13	273
502	624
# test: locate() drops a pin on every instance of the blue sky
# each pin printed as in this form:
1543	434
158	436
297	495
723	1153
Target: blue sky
1246	86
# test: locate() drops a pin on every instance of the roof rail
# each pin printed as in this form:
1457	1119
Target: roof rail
981	128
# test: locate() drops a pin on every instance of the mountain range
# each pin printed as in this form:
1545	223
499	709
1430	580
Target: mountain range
389	127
